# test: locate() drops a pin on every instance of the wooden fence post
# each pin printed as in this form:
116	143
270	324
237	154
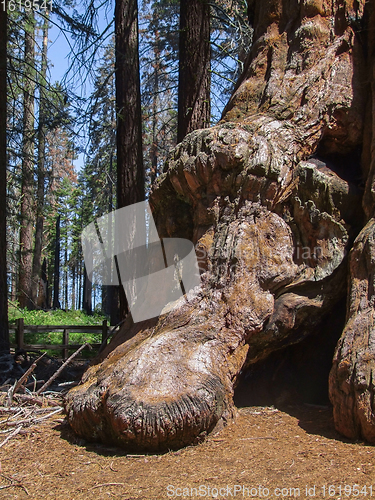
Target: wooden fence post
104	332
65	351
20	333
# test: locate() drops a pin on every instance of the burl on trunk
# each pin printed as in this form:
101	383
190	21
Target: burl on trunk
271	199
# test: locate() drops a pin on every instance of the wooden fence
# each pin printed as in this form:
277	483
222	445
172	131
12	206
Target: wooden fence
20	329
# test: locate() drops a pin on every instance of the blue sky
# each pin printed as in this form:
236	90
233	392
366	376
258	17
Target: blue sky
59	60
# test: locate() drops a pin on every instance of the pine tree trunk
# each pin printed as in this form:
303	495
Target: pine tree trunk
130	172
37	258
27	188
155	101
271	198
108	305
66	281
87	294
80	288
74	306
49	284
194	84
56	275
4	331
43	287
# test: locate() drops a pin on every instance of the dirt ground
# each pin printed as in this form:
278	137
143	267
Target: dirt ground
266	453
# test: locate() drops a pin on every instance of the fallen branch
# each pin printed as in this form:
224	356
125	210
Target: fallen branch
13	483
17	410
13	409
33	420
10	394
40	401
12	434
27	374
56	374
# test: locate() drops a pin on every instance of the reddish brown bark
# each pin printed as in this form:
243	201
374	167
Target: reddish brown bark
130	172
194	83
4	331
271	199
37	257
27	183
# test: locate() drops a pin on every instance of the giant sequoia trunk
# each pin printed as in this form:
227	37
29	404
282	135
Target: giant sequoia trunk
271	198
352	378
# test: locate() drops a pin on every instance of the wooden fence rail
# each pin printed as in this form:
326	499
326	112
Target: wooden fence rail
20	329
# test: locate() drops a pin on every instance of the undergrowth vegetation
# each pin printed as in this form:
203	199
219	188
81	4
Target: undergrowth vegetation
55	317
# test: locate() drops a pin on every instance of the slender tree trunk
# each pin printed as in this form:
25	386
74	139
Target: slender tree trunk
37	259
43	287
56	278
87	294
130	172
4	330
27	188
80	286
49	284
66	291
107	291
194	83
154	146
74	287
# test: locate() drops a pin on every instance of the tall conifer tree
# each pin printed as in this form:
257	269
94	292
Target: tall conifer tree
194	67
4	331
130	172
27	188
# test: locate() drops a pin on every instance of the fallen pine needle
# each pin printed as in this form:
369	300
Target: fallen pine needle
260	437
111	467
107	484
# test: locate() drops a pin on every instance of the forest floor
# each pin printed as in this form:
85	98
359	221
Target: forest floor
291	452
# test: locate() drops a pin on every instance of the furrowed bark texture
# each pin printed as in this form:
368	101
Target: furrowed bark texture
4	327
352	381
38	245
27	182
130	171
270	198
194	83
